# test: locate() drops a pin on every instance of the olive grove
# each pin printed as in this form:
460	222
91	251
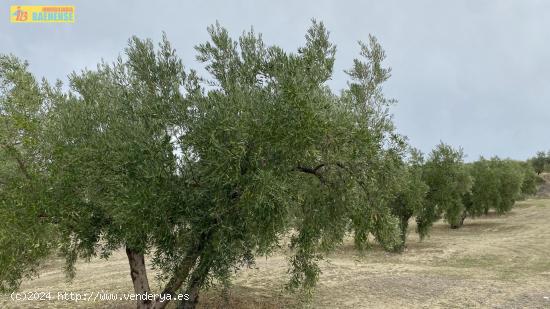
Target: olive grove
198	175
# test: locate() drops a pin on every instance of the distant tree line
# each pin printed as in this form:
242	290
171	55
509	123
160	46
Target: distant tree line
201	174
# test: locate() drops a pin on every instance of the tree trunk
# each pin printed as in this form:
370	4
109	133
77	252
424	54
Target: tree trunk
138	272
193	292
460	221
176	281
404	225
464	215
181	273
197	279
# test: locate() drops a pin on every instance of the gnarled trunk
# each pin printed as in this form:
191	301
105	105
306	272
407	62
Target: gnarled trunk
138	272
197	279
177	280
189	263
193	292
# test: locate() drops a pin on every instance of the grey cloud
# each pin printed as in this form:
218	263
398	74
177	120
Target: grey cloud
474	74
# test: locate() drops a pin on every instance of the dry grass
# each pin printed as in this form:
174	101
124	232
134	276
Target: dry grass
496	262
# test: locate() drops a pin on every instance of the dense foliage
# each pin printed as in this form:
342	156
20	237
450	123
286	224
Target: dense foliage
497	185
411	198
201	174
530	182
541	162
448	180
25	235
204	174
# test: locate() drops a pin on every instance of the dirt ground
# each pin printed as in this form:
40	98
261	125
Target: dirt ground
492	262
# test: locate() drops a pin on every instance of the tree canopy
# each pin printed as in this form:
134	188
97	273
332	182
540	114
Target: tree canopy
541	161
448	180
410	200
201	174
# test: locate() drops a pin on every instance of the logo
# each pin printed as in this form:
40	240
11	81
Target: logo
42	14
20	15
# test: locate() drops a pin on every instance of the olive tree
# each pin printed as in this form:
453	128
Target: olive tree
497	184
26	237
530	179
511	180
448	181
486	188
540	161
202	174
411	197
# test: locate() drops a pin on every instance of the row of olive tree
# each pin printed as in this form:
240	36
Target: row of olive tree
444	186
431	189
202	174
497	185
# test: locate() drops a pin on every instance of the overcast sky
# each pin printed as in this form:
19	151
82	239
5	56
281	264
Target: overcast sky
474	73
